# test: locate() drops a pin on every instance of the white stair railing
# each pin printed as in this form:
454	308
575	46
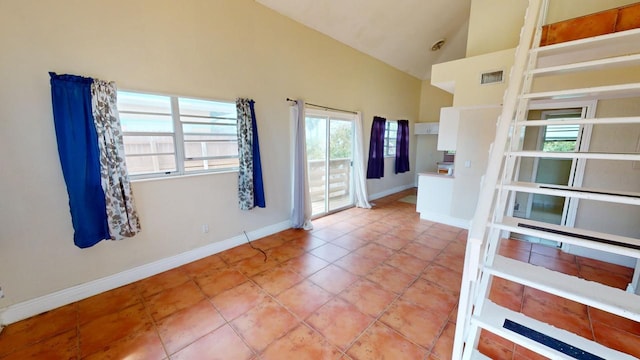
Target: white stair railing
499	185
477	231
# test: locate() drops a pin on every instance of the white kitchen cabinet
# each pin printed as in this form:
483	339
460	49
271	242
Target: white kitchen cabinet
448	129
426	128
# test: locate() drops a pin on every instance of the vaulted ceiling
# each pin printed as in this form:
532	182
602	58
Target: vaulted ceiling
400	33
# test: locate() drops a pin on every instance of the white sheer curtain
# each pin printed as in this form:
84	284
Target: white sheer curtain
359	178
301	204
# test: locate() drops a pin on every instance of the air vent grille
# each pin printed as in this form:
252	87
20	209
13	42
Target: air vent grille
492	77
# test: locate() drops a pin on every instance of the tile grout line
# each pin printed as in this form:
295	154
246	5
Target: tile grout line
226	321
208	299
522	297
78	352
153	321
398	296
334	296
300	320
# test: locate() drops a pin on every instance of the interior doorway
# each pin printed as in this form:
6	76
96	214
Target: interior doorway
330	141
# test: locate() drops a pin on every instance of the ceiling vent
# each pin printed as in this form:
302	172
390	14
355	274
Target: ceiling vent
492	77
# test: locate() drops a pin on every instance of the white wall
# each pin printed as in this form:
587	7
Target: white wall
495	24
463	76
210	49
616	175
475	135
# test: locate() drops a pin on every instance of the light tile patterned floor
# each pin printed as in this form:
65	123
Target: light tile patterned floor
365	284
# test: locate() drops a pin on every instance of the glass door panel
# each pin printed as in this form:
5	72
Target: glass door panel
316	137
340	155
329	158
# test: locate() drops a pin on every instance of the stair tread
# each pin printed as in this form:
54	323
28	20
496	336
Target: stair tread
586	238
587	292
477	355
572	121
603	46
493	318
622	197
595	92
598	64
578	155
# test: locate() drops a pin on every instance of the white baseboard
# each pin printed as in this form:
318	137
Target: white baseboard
54	300
390	191
446	219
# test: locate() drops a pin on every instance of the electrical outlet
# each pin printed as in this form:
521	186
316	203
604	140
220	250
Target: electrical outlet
1	293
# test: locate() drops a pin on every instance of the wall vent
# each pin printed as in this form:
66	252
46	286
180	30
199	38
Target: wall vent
492	77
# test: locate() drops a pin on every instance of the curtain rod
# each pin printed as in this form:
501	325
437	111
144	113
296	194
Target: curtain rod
324	107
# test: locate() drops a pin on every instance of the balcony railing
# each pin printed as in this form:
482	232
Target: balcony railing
339	183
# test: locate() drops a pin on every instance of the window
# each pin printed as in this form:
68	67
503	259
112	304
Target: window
169	135
561	138
390	135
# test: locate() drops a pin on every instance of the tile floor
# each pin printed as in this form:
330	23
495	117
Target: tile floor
365	284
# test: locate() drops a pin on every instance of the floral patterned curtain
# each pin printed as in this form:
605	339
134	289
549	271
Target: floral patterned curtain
245	166
122	217
250	185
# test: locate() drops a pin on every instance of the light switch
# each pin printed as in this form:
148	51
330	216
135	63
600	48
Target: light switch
467	163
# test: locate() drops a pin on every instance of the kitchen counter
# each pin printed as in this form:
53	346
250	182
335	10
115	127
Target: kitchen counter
434	194
436	174
435	198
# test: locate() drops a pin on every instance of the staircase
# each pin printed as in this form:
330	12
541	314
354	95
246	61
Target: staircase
493	219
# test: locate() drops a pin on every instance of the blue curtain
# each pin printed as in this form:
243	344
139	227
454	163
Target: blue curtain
258	185
402	147
375	166
79	157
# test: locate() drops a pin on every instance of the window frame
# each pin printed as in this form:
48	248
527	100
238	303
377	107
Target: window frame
388	138
178	137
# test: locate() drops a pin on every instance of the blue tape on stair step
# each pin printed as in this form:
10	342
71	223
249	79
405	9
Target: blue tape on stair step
550	342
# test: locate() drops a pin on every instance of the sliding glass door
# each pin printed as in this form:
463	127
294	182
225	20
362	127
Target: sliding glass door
329	137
